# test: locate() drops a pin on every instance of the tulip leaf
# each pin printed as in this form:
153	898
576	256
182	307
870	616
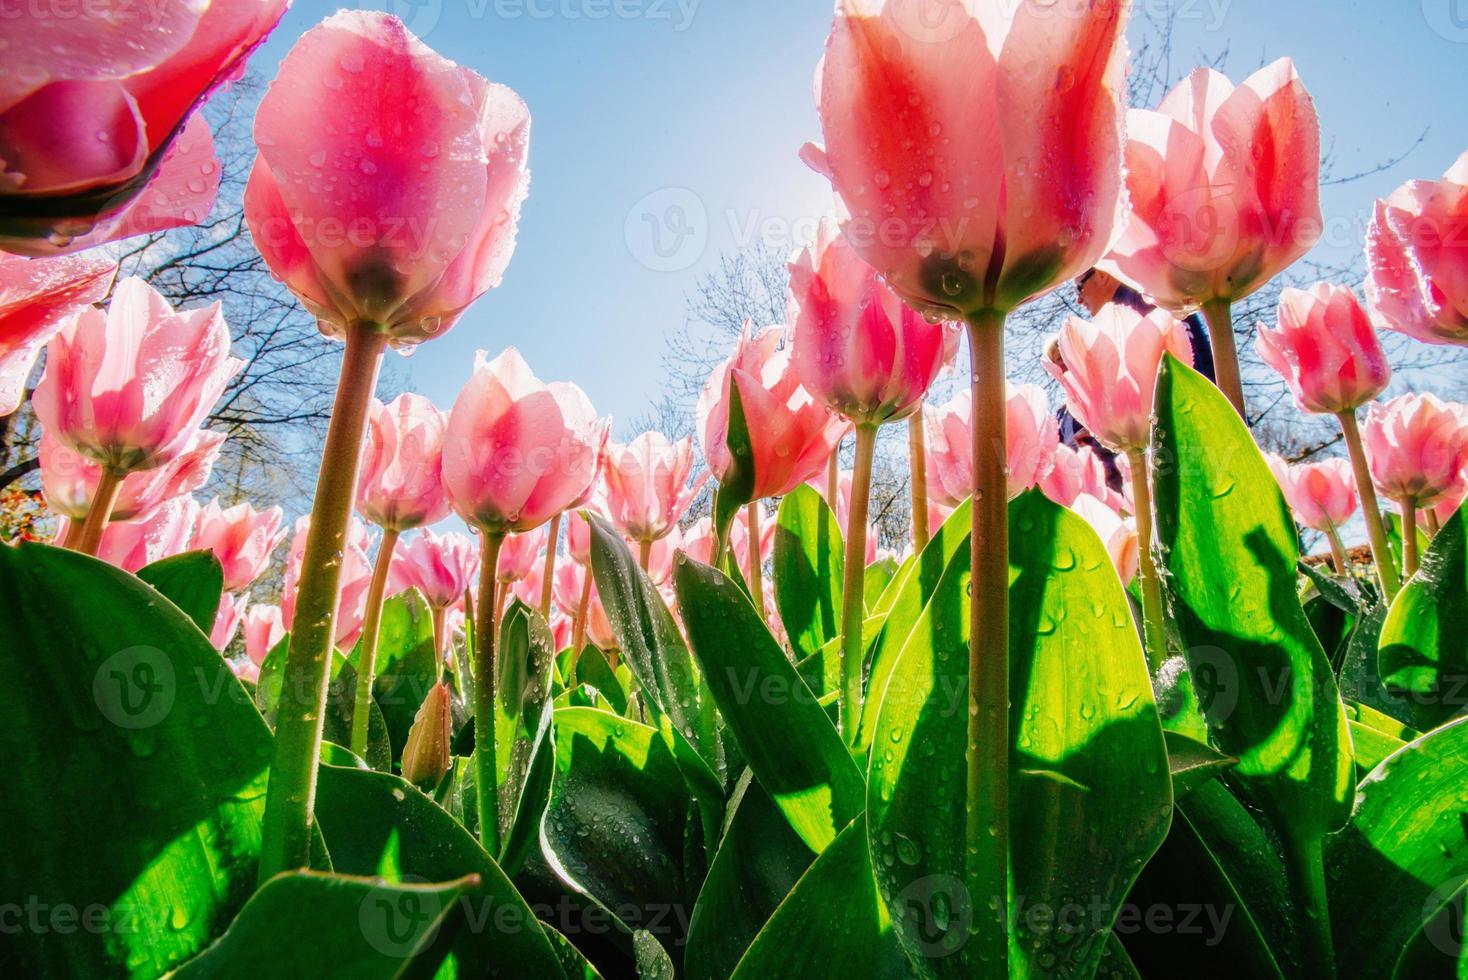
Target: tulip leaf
652	647
592	668
737	482
341	703
1424	641
759	860
909	594
1090	795
192	581
618	816
653	962
522	726
768	707
1192	763
878	575
1404	854
809	565
332	925
407	663
832	924
135	771
373	820
1230	550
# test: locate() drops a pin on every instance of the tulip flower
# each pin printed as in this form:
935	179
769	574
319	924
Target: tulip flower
385	196
1322	496
575	593
1031	438
264	629
516	453
1224	185
647	489
131	545
1079	471
356	580
427	754
1417	259
69	480
520	554
36	297
242	538
227	620
129	388
1417	447
443	568
1118	535
99	133
1447	506
1326	349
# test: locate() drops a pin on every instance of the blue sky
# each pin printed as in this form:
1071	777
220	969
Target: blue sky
682	119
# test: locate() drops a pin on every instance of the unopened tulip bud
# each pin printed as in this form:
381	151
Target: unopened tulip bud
426	755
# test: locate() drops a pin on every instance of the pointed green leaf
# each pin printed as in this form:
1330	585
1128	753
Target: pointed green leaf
1424	642
407	663
809	564
192	581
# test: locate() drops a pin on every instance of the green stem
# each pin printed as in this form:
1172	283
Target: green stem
752	552
853	601
440	634
286	833
371	627
1220	319
644	554
578	625
1410	557
486	768
548	573
1305	867
833	476
1381	554
109	486
1153	624
917	461
1338	552
986	871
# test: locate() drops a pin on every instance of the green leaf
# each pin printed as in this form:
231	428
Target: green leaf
1090	794
341	703
592	668
304	924
1359	680
407	663
909	594
809	564
135	770
878	575
618	816
373	819
272	672
784	734
1404	854
192	581
1393	521
652	647
1424	642
522	729
1230	553
652	959
831	925
1192	763
758	862
736	486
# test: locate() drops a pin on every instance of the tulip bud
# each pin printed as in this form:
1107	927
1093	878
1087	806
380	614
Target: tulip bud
426	756
1326	349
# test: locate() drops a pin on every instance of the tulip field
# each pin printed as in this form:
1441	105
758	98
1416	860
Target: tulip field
509	696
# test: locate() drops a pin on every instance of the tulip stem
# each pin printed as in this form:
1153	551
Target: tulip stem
1409	539
833	476
1220	317
1338	552
286	832
486	768
371	626
1153	624
917	461
578	626
440	629
548	574
1381	554
1433	524
853	598
986	871
752	550
109	485
1305	869
644	554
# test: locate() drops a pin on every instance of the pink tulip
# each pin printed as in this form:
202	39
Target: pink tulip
1108	370
647	488
791	435
402	210
36	296
1031	438
697	541
264	628
69	479
517	452
1322	494
1079	471
227	620
1326	349
441	566
660	558
1224	185
578	534
131	545
1418	448
977	156
1118	535
242	538
400	486
520	554
129	388
1417	258
98	131
1449	504
356	580
856	347
572	580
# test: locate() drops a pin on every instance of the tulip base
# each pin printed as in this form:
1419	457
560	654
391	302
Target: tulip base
291	792
486	767
986	873
371	627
